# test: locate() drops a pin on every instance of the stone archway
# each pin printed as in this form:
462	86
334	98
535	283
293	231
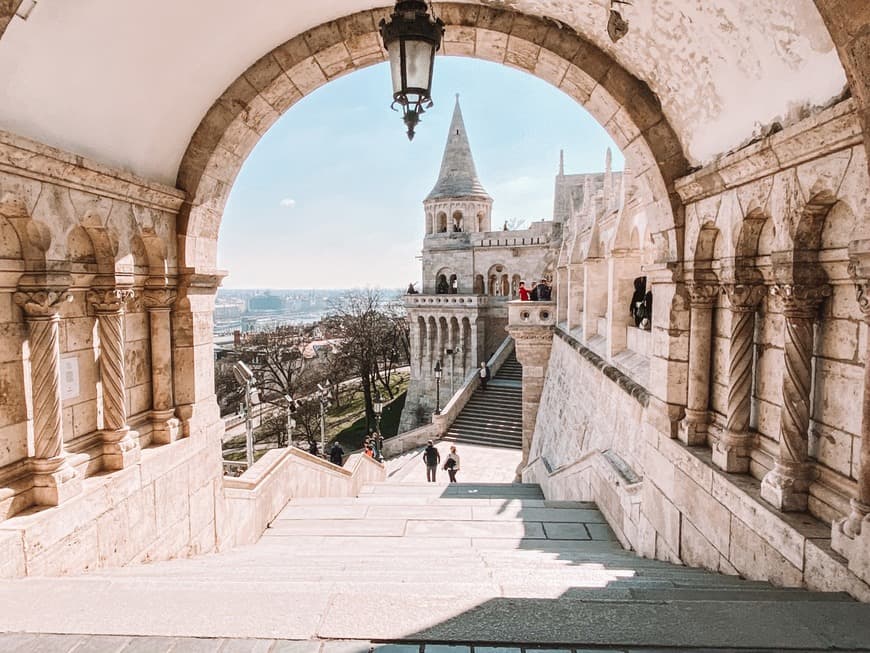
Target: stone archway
622	104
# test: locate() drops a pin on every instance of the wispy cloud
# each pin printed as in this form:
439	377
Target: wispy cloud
288	202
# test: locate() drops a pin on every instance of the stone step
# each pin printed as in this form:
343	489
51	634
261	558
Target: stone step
489	442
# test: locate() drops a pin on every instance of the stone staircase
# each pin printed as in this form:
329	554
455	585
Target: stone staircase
494	417
426	565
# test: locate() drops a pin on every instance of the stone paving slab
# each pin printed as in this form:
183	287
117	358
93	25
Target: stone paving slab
297	511
475	529
343	528
512	512
430	512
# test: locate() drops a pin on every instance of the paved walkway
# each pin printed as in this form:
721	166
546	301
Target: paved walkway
478	464
428	565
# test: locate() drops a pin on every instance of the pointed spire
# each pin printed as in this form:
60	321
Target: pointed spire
458	177
561	163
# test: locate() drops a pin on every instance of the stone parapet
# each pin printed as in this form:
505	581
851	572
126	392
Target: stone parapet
446	301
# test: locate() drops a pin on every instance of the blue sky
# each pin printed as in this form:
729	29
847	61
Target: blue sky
332	196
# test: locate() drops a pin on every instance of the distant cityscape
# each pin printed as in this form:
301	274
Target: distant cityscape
260	310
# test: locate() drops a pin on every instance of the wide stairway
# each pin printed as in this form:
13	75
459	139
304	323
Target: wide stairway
431	567
494	417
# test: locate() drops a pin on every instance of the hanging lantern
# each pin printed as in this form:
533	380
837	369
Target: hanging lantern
412	37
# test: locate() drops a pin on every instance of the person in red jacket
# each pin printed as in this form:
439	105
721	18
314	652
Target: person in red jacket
524	293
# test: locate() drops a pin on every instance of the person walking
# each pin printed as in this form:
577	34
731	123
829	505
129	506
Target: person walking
524	292
431	457
484	374
336	454
452	464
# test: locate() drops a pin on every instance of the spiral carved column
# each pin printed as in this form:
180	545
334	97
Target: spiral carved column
54	479
732	452
787	485
694	426
158	302
850	536
120	449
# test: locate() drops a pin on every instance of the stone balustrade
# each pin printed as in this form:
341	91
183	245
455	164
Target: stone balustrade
446	301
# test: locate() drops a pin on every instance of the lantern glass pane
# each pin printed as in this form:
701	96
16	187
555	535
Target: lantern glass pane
394	50
419	57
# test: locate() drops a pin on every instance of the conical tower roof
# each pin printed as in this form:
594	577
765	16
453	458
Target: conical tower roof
458	176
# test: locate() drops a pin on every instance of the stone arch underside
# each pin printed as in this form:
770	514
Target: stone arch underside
622	104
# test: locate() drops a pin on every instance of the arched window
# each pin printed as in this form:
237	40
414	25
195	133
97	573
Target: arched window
479	286
457	221
505	286
442	287
480	222
515	285
454	284
442	222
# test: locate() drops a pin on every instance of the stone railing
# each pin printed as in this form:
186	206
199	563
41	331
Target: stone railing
638	340
522	313
256	497
451	410
409	440
445	301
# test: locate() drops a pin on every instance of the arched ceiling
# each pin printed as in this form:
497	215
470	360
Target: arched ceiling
127	83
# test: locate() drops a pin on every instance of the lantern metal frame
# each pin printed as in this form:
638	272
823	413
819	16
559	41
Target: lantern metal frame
411	21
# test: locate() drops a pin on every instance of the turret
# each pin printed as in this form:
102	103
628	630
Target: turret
458	202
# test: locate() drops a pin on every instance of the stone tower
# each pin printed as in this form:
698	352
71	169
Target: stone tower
470	272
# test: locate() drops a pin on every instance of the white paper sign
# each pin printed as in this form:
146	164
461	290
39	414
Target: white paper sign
69	378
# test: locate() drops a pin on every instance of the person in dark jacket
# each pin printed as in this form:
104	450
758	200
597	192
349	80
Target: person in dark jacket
533	295
431	457
336	454
544	292
312	448
636	307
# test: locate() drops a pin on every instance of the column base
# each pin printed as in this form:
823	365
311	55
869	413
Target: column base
54	481
693	428
852	540
120	449
732	452
787	486
166	427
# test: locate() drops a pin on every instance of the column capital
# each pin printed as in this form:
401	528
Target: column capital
801	300
744	297
702	294
43	303
159	299
109	300
862	288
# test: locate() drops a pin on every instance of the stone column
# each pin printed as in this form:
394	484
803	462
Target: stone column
158	302
702	296
732	452
787	485
575	296
476	342
54	479
623	268
531	325
594	296
850	536
120	450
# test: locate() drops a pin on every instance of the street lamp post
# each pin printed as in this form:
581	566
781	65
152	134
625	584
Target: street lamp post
379	408
245	378
324	404
438	387
292	406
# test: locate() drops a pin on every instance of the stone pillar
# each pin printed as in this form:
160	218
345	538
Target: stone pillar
54	479
531	325
787	485
622	270
158	302
850	536
575	296
594	296
693	429
476	342
120	449
732	451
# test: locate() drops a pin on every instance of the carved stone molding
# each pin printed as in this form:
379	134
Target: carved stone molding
109	300
743	296
862	289
702	294
41	304
801	300
159	299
